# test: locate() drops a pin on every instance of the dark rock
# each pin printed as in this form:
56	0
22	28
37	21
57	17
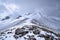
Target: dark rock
33	27
9	32
18	17
32	35
21	32
5	36
49	37
2	39
36	32
25	38
31	38
41	35
23	28
30	28
2	33
7	17
15	36
3	19
17	31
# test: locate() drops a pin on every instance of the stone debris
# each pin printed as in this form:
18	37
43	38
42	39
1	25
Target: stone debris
7	17
36	32
28	32
9	32
19	31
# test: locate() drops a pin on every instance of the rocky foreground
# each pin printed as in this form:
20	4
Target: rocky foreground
29	32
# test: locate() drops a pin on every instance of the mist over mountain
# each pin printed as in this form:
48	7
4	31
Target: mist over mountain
44	11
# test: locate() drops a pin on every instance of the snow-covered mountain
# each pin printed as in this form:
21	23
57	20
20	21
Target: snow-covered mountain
45	12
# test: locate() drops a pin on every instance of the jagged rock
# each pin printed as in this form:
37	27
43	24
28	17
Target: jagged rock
49	38
9	32
7	17
30	28
19	31
32	39
33	27
36	32
32	32
15	36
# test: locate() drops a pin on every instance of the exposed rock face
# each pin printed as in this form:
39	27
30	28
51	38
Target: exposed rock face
15	36
36	32
20	32
7	17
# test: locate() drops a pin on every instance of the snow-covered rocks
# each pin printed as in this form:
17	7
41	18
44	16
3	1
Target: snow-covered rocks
28	32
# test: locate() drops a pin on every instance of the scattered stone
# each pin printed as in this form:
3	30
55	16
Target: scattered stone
2	33
30	28
9	32
5	36
2	39
32	35
32	38
15	36
49	38
25	33
25	38
20	31
34	27
41	35
13	29
36	32
7	17
18	17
